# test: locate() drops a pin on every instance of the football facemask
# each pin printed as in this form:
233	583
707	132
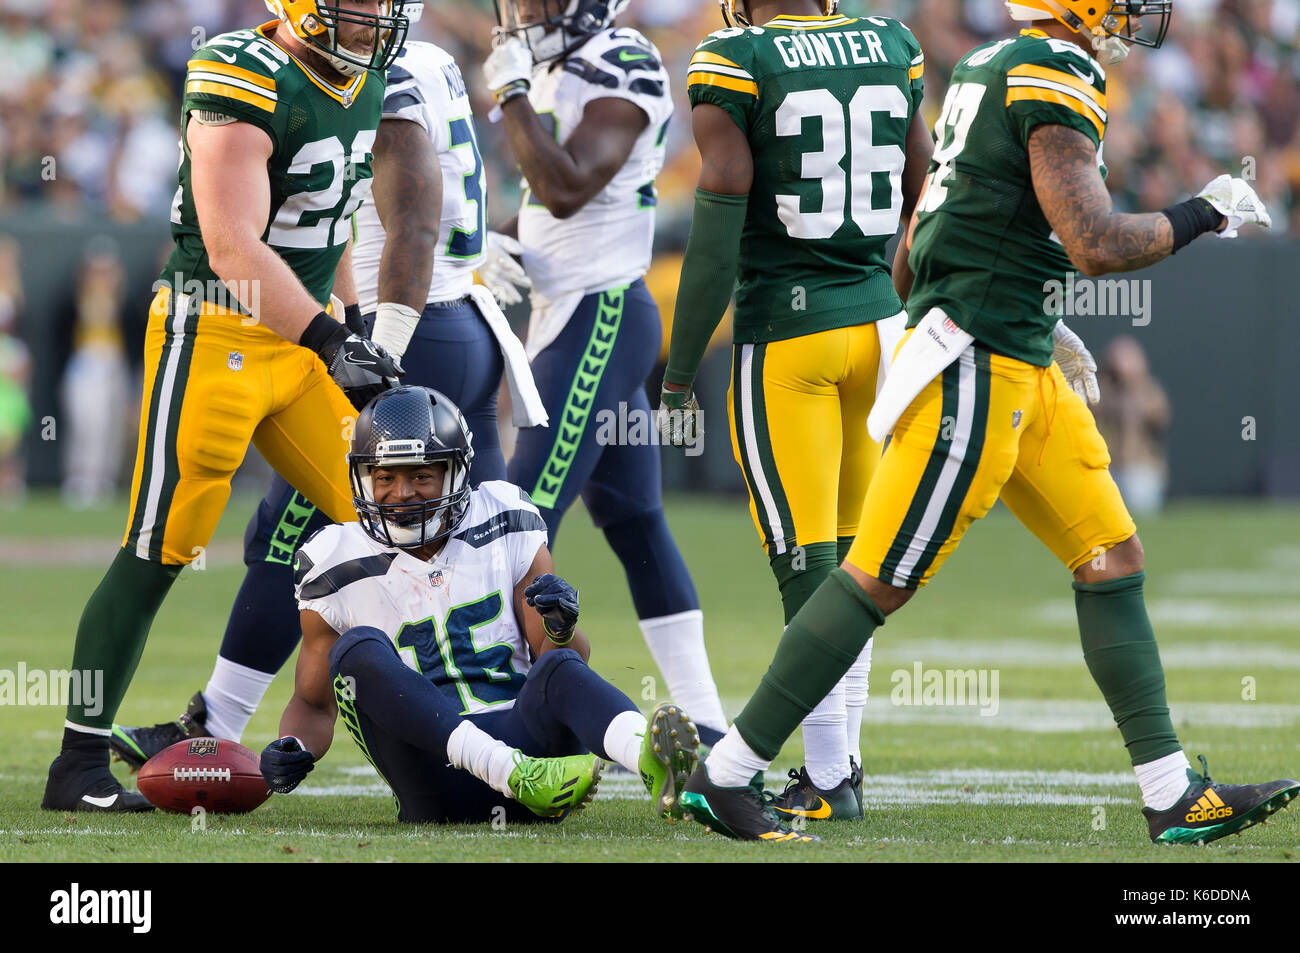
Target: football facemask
1112	29
411	427
550	28
733	17
317	24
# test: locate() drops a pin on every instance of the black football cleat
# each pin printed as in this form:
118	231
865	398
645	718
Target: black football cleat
1208	811
135	746
738	813
802	798
78	782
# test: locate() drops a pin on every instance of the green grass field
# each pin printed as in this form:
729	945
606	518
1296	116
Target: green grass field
1043	778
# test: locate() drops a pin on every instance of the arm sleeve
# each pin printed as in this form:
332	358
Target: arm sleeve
708	275
232	89
1058	92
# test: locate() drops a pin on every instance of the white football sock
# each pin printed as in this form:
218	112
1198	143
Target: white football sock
623	739
1163	781
234	691
825	754
732	763
856	683
676	643
472	749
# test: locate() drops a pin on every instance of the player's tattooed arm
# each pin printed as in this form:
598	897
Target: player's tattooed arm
919	149
311	711
408	197
565	177
1073	196
530	620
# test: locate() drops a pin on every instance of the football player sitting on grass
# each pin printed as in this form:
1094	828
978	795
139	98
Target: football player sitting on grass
437	629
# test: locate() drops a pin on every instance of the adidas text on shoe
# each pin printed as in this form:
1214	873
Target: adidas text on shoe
1208	811
669	751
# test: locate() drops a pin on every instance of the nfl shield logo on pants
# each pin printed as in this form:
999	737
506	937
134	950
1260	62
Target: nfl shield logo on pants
1015	419
235	361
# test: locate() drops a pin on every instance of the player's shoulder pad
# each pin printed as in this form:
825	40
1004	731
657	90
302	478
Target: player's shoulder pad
1030	54
241	67
498	508
733	43
620	59
332	560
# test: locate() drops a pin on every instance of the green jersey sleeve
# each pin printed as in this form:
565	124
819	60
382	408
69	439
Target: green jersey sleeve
235	82
1051	85
719	75
916	71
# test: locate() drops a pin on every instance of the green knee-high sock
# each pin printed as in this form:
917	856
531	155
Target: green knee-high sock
819	645
112	632
800	571
1121	653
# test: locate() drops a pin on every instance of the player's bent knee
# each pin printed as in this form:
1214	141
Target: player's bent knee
1122	559
886	597
350	640
549	661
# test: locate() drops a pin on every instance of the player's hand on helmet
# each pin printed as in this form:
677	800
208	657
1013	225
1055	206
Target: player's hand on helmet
508	70
679	418
285	762
1236	201
361	368
1076	362
557	603
501	273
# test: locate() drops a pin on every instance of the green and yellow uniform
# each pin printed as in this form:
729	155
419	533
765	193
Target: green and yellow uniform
216	379
825	103
1000	420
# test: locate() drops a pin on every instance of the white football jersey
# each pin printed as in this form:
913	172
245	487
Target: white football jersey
607	243
425	87
452	619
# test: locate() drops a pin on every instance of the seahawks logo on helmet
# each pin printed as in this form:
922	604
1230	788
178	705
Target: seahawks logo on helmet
554	28
405	427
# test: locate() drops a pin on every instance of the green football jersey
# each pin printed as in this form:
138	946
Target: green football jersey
982	249
323	138
825	103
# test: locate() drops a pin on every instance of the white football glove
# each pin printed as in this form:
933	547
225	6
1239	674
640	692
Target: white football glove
1076	362
501	273
679	419
511	61
1236	201
394	327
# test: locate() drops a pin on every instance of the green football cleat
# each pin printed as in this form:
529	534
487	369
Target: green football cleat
738	813
669	751
555	787
1208	811
802	798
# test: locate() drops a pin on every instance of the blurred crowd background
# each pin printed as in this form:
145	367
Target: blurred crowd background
89	107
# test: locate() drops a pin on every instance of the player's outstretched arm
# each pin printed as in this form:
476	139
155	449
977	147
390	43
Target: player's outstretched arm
919	147
1073	196
566	177
408	197
232	197
311	711
548	599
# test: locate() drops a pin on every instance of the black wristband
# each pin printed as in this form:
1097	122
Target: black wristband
352	318
324	335
1190	219
511	91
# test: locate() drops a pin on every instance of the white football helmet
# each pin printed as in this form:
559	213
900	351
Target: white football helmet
551	28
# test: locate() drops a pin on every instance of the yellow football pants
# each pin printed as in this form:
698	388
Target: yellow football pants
213	384
989	426
798	412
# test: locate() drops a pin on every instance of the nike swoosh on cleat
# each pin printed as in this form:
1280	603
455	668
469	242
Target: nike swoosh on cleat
100	801
820	813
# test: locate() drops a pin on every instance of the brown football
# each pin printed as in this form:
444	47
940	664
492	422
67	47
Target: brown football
219	776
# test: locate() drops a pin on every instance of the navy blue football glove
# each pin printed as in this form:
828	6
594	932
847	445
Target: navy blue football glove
557	602
285	762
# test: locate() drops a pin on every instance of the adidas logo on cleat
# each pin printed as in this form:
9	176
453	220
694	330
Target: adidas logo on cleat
1209	807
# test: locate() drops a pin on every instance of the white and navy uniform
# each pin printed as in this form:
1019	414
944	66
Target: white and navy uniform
451	619
595	331
425	644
